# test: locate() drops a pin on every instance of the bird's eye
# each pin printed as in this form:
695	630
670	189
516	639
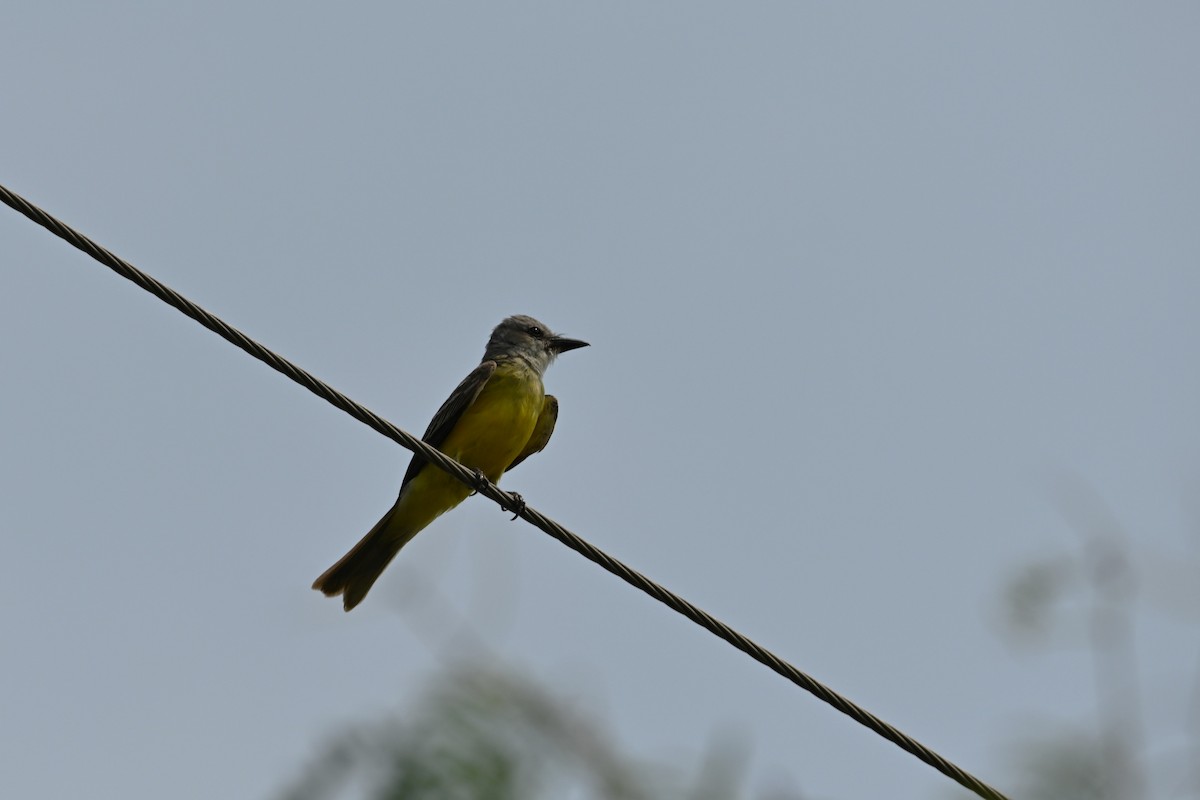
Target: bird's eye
535	331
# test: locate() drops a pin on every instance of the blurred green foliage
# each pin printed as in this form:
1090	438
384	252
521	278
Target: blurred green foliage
490	736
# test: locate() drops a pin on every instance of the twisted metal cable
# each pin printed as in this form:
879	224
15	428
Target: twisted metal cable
505	499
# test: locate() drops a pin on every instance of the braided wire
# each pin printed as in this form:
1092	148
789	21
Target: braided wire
505	499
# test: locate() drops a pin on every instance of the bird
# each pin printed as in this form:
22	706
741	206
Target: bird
496	418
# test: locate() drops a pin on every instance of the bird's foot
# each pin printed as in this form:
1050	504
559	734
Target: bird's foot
518	506
480	481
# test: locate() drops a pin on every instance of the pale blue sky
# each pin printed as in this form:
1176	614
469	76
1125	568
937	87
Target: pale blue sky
864	282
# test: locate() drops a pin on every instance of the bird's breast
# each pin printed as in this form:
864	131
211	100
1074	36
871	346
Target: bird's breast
496	427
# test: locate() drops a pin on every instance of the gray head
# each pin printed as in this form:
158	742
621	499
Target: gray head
525	338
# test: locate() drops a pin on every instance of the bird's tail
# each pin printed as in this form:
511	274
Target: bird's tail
356	572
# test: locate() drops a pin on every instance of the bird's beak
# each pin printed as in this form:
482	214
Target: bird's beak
561	344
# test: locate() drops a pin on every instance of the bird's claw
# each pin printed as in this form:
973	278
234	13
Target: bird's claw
518	507
480	481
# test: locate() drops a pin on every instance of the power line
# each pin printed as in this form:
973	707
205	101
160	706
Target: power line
504	499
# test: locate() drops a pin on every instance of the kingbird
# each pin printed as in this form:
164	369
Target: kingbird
498	416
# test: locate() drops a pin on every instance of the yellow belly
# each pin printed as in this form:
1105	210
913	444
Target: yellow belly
488	436
494	430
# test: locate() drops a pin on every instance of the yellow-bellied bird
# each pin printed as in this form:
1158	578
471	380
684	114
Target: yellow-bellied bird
496	418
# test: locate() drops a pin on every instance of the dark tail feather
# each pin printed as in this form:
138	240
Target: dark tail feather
356	572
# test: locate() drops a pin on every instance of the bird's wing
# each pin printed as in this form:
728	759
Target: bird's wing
541	431
448	415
